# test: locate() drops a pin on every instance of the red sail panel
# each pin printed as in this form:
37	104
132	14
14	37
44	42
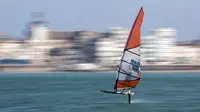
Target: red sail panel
134	36
127	83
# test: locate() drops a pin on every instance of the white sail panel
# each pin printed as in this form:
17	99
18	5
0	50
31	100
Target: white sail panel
130	65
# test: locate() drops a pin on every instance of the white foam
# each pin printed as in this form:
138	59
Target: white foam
143	101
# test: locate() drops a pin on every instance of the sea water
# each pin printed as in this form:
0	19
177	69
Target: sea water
80	92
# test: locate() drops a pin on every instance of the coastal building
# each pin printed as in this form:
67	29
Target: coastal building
110	46
186	55
79	49
148	49
92	50
83	50
157	47
61	47
187	52
107	52
35	47
9	46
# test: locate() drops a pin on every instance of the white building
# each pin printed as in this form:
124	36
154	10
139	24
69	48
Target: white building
148	49
10	49
187	55
36	47
158	46
109	49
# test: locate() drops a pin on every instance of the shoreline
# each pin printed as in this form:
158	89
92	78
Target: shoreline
62	72
144	69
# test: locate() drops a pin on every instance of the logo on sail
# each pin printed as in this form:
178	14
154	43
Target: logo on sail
135	66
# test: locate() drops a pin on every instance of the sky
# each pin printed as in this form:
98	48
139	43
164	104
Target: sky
98	15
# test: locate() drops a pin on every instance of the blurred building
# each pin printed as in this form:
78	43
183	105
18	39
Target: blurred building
92	50
79	51
186	55
187	52
60	53
157	47
9	46
37	45
110	46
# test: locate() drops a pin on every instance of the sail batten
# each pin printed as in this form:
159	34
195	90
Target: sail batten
133	53
129	69
125	73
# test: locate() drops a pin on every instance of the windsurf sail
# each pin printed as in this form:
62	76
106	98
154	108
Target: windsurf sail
128	74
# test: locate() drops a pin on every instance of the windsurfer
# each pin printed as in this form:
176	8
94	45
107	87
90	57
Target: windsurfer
129	92
123	92
128	73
